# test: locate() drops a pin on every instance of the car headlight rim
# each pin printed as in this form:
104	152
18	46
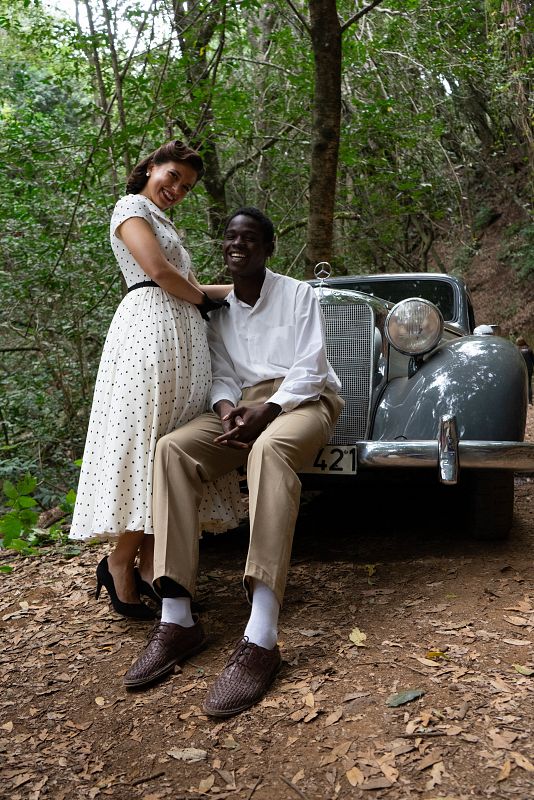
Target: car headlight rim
414	326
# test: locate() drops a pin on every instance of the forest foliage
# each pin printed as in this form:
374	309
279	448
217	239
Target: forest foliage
435	100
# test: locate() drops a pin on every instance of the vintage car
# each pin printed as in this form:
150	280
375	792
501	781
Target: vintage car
427	394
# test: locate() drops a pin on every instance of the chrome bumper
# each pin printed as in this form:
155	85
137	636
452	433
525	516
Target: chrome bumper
515	456
448	454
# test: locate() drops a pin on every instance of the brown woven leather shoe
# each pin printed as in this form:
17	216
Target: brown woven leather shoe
168	645
248	673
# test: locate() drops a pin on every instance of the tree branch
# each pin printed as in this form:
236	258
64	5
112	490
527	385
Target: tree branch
299	16
244	161
361	13
18	349
229	59
301	223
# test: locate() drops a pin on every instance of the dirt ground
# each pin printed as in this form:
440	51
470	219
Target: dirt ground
426	609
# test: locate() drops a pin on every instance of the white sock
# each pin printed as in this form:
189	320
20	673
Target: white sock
262	627
178	611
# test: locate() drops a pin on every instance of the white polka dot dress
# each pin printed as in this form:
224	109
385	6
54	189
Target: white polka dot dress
154	375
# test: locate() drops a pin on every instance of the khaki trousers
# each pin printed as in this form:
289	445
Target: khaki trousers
188	457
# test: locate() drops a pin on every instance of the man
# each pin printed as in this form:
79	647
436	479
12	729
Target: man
275	401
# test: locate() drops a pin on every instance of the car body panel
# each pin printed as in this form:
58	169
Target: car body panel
478	379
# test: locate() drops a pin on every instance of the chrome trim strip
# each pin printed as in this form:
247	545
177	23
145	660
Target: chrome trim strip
448	450
517	456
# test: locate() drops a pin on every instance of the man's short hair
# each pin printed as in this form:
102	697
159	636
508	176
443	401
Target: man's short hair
264	221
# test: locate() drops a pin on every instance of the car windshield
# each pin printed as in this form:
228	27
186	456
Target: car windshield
438	292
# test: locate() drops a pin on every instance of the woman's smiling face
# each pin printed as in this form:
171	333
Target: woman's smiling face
169	183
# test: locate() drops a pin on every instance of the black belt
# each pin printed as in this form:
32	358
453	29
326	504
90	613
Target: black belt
141	285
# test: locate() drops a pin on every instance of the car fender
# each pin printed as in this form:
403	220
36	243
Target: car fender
481	380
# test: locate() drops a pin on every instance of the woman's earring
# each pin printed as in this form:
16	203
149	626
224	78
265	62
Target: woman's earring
148	174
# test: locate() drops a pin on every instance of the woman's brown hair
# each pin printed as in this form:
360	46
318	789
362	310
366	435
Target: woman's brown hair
171	151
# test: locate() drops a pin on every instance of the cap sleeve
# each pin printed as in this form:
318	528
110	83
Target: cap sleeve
132	205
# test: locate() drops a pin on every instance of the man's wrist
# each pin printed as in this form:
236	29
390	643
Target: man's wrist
274	410
222	407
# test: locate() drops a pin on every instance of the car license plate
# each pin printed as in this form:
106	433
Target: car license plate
335	460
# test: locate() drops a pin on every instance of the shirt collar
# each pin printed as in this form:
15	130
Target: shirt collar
156	210
265	289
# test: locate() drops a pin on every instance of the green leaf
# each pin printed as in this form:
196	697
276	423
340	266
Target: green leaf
21	546
10	491
68	502
10	527
403	697
26	502
26	485
6	568
28	518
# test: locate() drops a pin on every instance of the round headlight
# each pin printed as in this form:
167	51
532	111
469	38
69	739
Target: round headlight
414	326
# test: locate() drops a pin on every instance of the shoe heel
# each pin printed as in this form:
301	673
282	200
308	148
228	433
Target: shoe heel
133	610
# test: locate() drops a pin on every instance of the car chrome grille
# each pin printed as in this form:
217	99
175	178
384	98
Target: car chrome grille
349	345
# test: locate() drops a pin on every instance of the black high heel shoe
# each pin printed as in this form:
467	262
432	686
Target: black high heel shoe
132	610
143	587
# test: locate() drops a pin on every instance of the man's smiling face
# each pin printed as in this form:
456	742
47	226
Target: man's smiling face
245	250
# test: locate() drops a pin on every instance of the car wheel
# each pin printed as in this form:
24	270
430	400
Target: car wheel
489	504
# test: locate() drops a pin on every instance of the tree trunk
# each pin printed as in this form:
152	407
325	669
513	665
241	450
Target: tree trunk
325	31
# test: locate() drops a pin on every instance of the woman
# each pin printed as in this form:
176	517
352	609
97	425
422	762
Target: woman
154	375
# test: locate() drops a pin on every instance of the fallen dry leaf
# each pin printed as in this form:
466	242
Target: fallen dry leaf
388	769
355	776
435	655
20	780
429	760
230	743
436	774
187	754
522	762
376	783
311	633
522	605
358	637
427	662
527	671
309	700
206	783
519	621
342	748
406	696
338	751
505	770
502	740
334	717
518	642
